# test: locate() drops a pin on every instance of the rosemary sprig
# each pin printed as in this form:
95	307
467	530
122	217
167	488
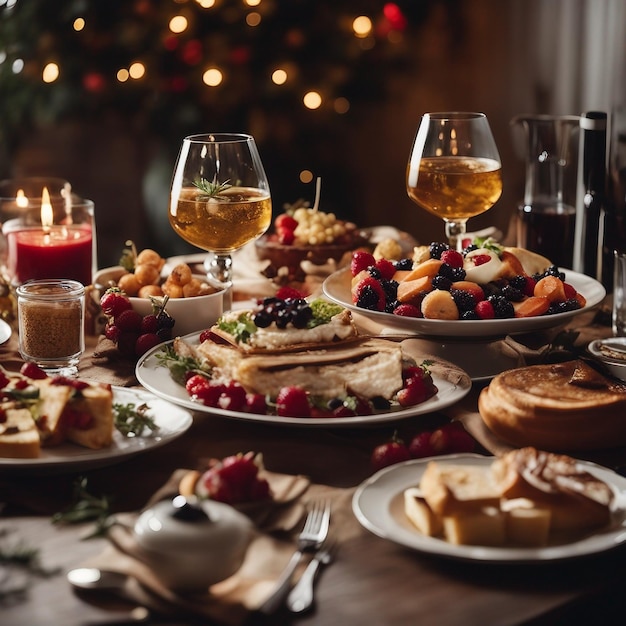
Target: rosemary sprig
212	189
86	507
180	366
132	420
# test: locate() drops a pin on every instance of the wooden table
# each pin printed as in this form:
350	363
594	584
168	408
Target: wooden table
373	581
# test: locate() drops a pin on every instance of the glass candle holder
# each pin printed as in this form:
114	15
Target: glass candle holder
52	239
51	318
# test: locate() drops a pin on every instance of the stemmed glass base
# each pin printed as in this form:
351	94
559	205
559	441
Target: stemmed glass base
219	269
455	232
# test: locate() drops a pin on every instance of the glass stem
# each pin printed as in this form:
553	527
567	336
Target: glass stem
219	267
455	232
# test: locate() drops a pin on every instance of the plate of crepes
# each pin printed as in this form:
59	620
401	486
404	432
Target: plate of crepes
299	362
62	424
525	506
489	290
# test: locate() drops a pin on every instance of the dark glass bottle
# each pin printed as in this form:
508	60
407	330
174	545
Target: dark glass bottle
615	214
590	194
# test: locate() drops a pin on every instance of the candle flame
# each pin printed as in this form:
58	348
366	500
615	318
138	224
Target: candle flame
20	199
46	209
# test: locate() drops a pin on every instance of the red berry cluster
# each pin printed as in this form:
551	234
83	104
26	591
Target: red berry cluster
230	396
234	480
133	333
450	438
285	226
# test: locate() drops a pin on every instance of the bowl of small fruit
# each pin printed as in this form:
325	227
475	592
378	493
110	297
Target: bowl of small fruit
192	302
303	234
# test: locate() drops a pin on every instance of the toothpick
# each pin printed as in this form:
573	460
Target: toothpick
318	187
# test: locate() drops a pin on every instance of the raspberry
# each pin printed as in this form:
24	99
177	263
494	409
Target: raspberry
484	310
31	370
407	310
128	320
195	383
146	342
386	268
369	294
149	324
361	260
210	394
452	258
233	397
285	293
292	402
285	221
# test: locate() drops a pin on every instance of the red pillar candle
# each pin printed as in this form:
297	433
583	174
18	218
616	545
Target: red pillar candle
51	252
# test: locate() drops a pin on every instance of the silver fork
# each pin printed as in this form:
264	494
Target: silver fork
310	539
300	597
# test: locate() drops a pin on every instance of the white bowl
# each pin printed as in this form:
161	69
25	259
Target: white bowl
612	354
190	314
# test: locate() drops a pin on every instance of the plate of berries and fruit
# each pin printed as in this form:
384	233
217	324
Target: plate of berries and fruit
484	291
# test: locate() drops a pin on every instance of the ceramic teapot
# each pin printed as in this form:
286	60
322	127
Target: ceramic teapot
191	544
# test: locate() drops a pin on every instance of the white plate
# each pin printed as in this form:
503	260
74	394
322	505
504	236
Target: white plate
378	505
5	331
157	379
172	421
337	288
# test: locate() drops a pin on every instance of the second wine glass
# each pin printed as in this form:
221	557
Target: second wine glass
220	198
454	170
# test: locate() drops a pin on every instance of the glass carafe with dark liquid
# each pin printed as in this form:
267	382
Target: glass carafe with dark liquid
546	217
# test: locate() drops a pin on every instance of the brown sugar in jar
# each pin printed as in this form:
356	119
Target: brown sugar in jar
51	322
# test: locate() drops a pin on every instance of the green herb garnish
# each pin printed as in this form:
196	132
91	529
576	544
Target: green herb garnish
240	328
132	420
86	507
180	366
129	256
489	243
211	189
323	312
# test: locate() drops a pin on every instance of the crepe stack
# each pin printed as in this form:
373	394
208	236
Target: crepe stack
558	407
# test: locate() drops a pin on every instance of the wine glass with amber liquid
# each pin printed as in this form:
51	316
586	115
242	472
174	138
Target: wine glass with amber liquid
220	198
454	170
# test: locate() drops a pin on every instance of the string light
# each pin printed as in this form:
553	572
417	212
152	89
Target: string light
137	70
253	19
279	77
79	24
123	75
362	26
50	73
312	100
178	24
212	77
306	176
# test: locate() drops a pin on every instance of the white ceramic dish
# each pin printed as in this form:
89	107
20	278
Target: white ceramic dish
5	332
190	314
378	506
337	288
172	421
612	354
157	379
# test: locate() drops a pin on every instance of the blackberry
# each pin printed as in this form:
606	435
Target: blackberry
404	264
441	282
283	317
469	249
458	273
502	308
518	282
390	287
380	404
436	248
334	403
553	270
374	272
470	315
563	307
464	300
368	298
512	293
300	317
262	319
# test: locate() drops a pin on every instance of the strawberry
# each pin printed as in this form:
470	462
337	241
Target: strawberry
196	383
285	221
293	402
480	259
32	370
114	301
416	391
360	261
146	342
407	310
389	453
256	403
239	468
233	397
286	237
420	446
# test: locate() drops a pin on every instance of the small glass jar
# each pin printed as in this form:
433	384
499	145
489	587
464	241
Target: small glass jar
51	317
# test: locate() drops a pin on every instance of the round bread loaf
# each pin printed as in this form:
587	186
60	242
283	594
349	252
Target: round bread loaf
557	407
